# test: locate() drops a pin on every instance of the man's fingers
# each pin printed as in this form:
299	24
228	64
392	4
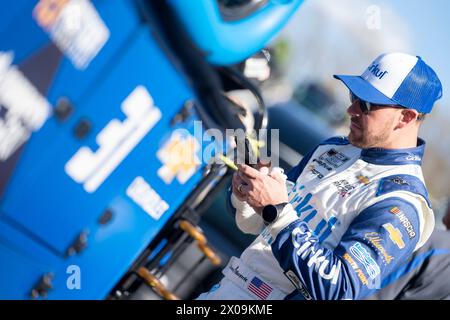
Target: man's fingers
264	164
264	170
245	189
248	171
241	197
238	194
236	181
244	178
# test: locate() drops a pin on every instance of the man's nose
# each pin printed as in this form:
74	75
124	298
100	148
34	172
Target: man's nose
354	109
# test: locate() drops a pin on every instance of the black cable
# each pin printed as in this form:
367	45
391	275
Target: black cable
262	119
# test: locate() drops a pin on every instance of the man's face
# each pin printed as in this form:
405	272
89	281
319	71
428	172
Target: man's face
373	129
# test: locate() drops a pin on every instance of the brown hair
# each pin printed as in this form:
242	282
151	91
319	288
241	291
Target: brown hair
421	116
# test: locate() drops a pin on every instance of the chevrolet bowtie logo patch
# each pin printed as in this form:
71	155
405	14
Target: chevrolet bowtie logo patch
179	158
395	235
363	179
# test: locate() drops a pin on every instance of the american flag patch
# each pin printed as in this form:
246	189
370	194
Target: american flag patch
261	289
395	210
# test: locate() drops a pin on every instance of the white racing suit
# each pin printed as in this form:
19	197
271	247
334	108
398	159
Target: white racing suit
353	216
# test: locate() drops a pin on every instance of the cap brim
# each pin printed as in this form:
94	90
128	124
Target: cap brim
364	90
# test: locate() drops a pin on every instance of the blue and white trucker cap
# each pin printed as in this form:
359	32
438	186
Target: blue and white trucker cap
397	79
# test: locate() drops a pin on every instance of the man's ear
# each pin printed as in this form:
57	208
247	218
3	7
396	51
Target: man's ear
407	116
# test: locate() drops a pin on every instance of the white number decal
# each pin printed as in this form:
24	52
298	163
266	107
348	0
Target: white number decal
115	141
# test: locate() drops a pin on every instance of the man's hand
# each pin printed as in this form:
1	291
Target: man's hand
236	186
260	189
237	183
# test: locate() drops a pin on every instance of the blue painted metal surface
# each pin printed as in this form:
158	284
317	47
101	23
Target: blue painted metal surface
126	96
227	42
43	202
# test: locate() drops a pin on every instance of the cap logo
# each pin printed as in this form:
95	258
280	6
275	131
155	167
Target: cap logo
376	71
397	79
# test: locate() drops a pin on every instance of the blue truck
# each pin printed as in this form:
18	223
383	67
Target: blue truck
99	101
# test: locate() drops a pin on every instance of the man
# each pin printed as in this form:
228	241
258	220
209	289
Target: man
425	276
356	207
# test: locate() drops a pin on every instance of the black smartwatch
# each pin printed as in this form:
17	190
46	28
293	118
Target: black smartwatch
271	212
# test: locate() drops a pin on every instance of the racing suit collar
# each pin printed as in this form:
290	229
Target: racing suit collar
382	156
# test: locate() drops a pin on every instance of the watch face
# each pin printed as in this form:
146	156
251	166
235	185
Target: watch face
269	213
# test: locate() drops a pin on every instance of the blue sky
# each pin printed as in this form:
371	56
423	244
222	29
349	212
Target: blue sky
429	23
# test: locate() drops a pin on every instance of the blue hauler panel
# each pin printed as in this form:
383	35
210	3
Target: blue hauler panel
92	164
27	40
60	182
